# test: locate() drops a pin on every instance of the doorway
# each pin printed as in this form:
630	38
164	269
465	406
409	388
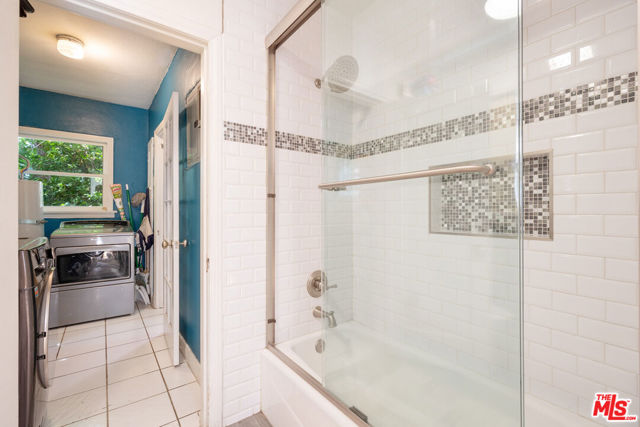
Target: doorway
111	372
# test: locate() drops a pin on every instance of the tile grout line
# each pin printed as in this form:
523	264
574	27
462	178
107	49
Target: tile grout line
93	351
140	400
106	348
107	409
81	370
74	394
107	386
117	382
153	395
83	419
175	412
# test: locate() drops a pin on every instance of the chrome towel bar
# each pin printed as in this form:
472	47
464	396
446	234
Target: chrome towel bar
487	170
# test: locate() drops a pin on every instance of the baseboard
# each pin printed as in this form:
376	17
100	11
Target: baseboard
191	359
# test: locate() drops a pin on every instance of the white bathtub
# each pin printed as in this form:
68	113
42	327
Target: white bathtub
391	383
353	346
289	401
302	351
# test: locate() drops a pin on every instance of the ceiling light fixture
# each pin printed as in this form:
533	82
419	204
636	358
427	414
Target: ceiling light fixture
501	9
70	46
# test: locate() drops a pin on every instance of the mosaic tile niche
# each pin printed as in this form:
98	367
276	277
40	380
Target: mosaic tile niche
474	204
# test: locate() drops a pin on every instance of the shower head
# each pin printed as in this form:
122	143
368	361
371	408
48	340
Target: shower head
341	75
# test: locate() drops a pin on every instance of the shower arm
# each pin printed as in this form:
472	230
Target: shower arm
486	170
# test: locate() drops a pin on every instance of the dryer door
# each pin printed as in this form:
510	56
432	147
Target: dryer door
97	263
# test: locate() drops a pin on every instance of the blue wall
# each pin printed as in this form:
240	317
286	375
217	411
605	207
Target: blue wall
128	126
182	76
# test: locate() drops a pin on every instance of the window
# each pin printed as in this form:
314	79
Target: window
76	171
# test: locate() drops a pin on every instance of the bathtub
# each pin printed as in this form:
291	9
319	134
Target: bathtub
290	401
390	383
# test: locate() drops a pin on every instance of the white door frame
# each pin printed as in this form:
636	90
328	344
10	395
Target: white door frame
150	262
168	141
157	299
211	80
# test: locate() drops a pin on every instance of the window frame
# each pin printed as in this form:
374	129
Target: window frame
104	211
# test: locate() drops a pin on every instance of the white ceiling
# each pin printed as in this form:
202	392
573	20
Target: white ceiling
119	66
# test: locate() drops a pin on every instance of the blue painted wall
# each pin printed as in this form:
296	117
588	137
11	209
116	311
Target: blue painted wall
128	126
182	76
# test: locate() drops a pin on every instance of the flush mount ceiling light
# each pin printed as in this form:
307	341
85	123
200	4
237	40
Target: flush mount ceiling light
70	46
501	9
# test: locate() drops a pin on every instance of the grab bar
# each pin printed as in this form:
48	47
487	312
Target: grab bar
487	170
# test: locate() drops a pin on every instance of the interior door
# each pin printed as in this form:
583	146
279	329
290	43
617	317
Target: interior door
154	179
166	223
157	299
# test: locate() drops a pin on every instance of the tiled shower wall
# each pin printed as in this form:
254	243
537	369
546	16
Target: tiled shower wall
246	23
298	203
445	83
581	289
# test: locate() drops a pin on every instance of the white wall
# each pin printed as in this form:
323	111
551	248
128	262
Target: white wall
9	219
298	241
246	23
201	19
581	289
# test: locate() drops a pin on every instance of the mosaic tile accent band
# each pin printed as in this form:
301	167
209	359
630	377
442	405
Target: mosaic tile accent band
473	124
587	97
255	135
486	205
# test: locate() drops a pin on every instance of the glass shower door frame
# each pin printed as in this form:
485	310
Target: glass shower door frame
296	17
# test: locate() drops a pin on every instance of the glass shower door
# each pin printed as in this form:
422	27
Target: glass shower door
422	297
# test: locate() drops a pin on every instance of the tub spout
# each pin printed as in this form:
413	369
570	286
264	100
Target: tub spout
319	313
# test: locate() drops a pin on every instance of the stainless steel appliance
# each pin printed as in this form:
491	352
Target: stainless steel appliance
95	271
36	270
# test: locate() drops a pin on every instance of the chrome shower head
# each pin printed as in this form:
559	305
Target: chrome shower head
341	75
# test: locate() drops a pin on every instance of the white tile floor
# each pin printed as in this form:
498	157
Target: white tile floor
118	373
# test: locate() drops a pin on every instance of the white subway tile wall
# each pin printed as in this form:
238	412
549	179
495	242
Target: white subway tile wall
581	289
246	24
451	297
298	174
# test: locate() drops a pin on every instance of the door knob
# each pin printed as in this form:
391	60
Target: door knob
183	243
165	244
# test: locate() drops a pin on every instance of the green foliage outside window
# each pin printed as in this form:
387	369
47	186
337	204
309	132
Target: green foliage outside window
57	156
